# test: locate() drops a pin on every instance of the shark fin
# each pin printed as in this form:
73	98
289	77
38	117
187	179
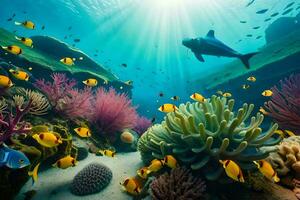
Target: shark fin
199	57
211	34
245	59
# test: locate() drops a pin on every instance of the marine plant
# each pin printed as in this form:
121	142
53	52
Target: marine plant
65	99
91	179
286	158
198	135
142	124
284	106
112	112
178	184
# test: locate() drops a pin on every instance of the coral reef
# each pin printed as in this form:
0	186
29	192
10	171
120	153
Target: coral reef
112	112
142	124
286	158
178	184
91	179
198	135
64	98
284	106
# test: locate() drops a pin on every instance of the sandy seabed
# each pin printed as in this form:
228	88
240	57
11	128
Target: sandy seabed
54	183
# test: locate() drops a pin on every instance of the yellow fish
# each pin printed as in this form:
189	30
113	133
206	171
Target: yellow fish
131	186
26	24
267	93
5	82
129	82
219	92
155	165
14	49
245	86
233	170
170	161
167	108
108	153
65	162
175	98
197	97
267	170
34	173
251	78
67	61
284	133
83	131
227	94
21	75
47	139
26	41
90	82
263	111
143	172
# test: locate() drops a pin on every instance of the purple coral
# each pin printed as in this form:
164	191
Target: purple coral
142	124
64	98
178	184
10	124
112	112
284	106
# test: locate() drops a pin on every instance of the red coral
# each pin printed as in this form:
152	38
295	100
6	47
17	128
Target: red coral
142	124
64	98
284	106
112	112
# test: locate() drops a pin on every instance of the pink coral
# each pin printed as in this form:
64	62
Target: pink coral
142	124
284	106
64	98
112	112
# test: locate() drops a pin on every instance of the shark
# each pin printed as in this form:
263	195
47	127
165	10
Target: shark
209	45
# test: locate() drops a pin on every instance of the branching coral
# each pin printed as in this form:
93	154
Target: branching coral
142	124
65	99
287	156
179	184
201	134
284	106
39	104
112	112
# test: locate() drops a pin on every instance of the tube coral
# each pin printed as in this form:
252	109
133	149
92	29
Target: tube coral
65	99
179	184
112	112
284	106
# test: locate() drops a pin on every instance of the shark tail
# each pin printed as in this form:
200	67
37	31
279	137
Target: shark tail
245	59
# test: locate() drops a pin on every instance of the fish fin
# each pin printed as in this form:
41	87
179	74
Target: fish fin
211	34
18	23
245	59
199	57
3	47
17	38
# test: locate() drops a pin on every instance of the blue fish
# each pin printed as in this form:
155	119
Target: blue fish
12	158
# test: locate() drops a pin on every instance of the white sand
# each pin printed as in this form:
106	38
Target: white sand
54	183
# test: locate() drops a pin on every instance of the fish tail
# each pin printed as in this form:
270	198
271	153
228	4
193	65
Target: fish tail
245	59
18	23
3	47
17	38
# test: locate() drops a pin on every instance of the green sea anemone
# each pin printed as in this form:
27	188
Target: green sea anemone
201	134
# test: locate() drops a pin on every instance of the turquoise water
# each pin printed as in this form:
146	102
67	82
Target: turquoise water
147	34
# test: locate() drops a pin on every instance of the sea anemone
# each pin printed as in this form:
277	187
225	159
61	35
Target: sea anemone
284	106
112	112
178	184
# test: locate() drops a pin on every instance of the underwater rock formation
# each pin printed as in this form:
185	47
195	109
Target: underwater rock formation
198	135
178	184
286	158
65	99
112	112
284	106
91	179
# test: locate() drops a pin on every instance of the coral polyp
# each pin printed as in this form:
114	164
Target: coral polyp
201	134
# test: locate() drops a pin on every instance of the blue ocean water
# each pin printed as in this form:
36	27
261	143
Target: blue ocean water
146	35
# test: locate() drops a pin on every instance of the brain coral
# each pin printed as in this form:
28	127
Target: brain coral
91	179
